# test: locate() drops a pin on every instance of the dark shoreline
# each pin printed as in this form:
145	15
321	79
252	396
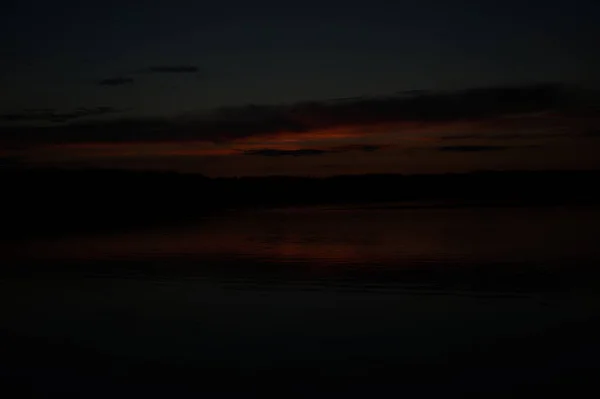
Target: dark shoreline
52	202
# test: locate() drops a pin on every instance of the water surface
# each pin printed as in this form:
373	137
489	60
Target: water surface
311	293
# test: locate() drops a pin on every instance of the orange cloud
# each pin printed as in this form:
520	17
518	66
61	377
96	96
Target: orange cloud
422	121
387	134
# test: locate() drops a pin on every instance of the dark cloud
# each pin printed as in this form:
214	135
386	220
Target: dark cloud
591	134
483	148
358	147
473	148
524	136
345	99
461	137
435	107
231	123
119	81
505	136
479	104
51	115
172	69
47	110
412	92
269	152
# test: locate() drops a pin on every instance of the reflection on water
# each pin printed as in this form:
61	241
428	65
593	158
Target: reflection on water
356	237
309	294
478	249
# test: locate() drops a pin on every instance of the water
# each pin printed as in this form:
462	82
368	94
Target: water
355	237
309	294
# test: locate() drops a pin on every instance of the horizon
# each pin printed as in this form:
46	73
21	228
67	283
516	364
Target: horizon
68	170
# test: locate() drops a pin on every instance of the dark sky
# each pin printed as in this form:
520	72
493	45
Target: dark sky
72	70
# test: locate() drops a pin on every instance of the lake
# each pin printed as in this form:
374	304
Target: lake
414	299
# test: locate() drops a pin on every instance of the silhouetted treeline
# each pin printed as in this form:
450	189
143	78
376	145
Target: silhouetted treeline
55	200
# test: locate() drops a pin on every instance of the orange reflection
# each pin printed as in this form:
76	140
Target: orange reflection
319	237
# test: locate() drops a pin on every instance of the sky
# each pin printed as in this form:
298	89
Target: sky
311	88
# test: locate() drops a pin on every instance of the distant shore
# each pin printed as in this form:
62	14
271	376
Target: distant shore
59	201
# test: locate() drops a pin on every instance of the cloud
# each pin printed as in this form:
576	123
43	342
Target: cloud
483	148
358	147
345	99
591	134
505	136
461	137
524	136
118	81
270	152
172	69
317	120
52	115
473	148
